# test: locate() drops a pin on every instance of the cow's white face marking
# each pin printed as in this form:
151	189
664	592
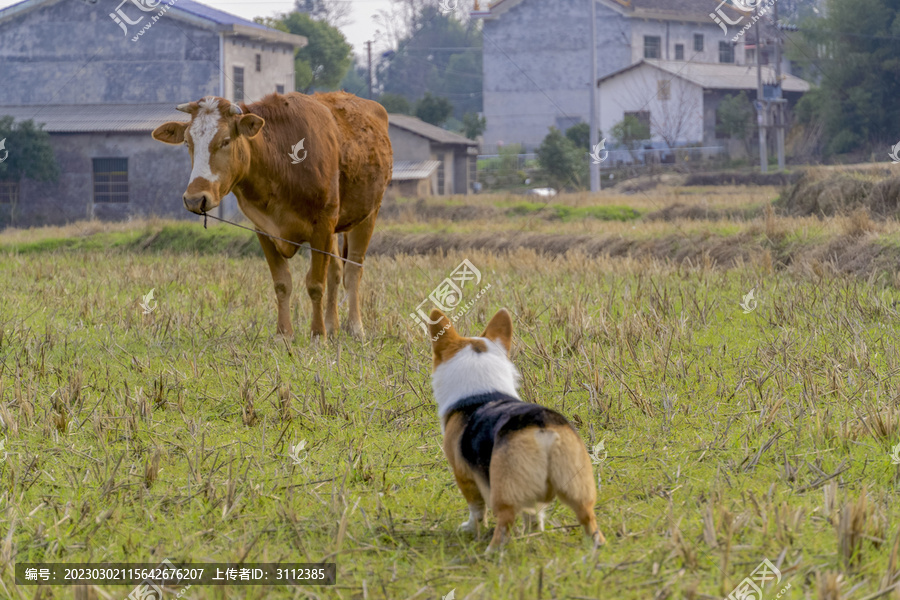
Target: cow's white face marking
203	130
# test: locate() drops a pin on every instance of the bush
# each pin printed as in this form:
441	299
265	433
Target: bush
433	109
564	164
580	135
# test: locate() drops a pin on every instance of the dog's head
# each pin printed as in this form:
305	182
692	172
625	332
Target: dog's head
470	366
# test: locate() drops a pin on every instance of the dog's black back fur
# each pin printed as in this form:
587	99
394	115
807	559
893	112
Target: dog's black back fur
489	418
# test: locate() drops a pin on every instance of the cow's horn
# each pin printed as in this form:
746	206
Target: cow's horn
186	107
235	109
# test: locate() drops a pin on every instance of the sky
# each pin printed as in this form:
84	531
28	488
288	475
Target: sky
357	33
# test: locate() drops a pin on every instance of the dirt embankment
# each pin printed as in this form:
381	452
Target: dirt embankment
826	193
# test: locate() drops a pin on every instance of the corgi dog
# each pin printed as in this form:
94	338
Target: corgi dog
510	455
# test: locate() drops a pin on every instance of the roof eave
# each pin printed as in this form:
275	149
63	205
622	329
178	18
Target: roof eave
20	8
640	13
268	35
400	125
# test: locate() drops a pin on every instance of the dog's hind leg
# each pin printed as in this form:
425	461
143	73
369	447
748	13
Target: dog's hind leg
506	516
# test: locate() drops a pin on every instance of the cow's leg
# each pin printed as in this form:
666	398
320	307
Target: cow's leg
358	243
281	277
315	278
333	289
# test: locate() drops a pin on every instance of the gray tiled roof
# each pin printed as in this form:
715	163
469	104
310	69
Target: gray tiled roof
405	170
214	15
676	10
205	16
429	131
85	118
718	76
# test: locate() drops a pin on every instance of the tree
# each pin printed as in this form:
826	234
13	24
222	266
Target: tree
431	52
324	61
580	135
336	13
395	104
473	125
26	152
735	118
434	110
855	48
629	132
355	81
30	153
564	164
679	106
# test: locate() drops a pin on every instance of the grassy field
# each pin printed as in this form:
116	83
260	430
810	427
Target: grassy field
731	434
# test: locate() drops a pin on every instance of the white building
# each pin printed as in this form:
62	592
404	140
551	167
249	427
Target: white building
678	100
537	59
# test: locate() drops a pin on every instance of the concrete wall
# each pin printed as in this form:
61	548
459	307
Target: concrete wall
72	52
454	157
157	177
537	63
672	33
537	66
277	67
409	146
462	165
638	90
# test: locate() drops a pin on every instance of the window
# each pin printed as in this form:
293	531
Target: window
238	80
9	192
279	89
643	118
698	42
750	56
110	180
258	63
679	51
726	52
664	89
652	45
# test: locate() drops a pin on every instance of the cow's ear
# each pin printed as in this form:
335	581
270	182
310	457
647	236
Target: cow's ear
170	133
249	125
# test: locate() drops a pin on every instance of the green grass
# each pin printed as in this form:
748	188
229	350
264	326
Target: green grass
172	237
572	213
731	437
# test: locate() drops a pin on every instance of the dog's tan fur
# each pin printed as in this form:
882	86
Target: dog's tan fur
532	467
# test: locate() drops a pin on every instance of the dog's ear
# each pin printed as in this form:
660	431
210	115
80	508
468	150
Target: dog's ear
442	332
500	329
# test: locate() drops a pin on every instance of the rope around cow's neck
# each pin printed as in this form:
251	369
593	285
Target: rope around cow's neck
275	237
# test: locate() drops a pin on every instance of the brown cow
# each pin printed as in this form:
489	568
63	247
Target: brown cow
336	187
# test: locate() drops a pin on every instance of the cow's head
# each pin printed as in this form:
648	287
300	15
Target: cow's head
217	138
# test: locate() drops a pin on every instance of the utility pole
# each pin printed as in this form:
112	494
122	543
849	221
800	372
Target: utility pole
779	103
595	137
369	47
761	106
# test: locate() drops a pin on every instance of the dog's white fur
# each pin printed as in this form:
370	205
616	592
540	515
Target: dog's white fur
470	373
